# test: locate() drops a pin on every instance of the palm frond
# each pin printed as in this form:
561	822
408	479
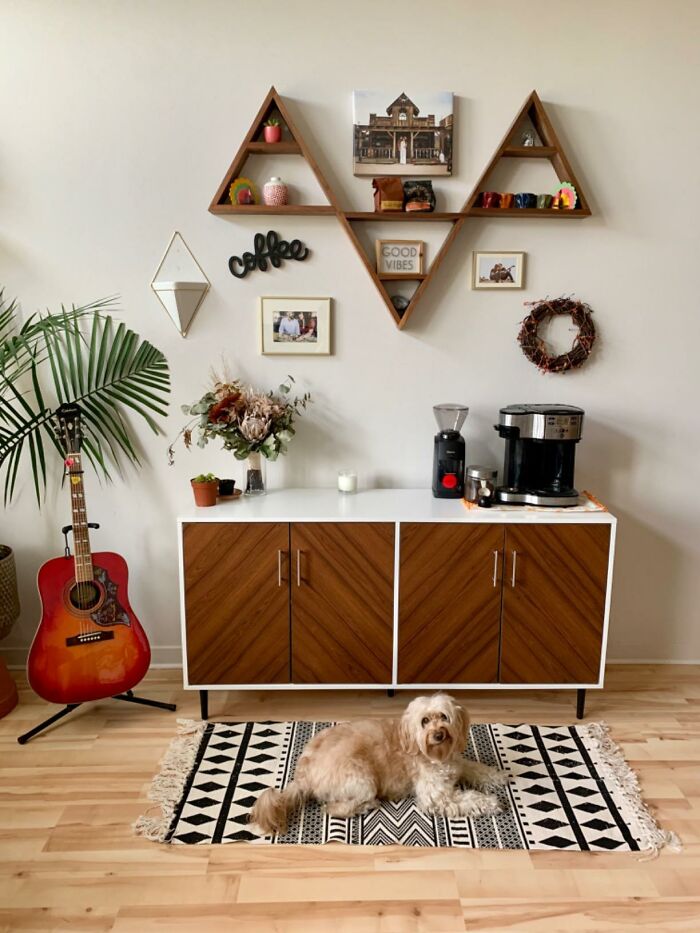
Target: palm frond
107	371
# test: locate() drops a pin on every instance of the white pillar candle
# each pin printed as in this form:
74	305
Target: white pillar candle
347	481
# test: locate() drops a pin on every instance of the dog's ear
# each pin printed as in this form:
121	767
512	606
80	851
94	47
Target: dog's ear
407	734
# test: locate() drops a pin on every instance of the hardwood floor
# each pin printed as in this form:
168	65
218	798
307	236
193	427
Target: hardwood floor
69	860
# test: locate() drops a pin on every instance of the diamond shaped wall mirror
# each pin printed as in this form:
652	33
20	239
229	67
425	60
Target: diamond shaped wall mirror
180	283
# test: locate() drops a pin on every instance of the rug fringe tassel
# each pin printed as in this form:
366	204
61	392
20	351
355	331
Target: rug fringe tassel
653	839
168	785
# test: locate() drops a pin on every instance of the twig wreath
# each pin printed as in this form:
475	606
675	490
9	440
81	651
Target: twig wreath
534	347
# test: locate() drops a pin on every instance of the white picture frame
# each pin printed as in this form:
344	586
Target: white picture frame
291	326
498	269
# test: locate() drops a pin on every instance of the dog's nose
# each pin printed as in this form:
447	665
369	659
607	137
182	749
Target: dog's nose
438	736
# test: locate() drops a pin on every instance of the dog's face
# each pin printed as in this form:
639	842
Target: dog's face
434	726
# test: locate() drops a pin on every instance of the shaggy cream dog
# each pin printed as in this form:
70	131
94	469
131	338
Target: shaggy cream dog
352	766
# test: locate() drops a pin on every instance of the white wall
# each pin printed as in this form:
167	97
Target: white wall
117	122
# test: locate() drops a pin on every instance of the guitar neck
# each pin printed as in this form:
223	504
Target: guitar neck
81	535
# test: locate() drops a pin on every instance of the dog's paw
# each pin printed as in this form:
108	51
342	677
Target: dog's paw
496	779
489	805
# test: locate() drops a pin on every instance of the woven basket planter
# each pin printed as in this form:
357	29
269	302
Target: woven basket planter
9	597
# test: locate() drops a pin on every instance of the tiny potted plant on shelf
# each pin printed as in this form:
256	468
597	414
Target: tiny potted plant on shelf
205	488
272	130
255	426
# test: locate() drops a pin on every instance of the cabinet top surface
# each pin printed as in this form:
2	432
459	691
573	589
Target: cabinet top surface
390	505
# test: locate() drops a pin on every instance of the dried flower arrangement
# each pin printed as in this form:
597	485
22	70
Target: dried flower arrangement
247	421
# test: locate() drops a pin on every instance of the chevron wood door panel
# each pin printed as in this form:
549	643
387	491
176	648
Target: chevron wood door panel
342	602
554	603
237	602
449	602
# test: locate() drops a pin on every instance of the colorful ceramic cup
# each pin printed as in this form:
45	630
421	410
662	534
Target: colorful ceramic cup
525	199
490	199
544	200
507	199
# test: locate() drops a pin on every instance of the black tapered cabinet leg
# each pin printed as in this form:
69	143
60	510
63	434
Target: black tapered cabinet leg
390	692
204	703
580	703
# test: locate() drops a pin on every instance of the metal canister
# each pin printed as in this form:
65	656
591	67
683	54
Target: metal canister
481	483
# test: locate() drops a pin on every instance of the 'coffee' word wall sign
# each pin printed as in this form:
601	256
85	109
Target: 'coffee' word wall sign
266	248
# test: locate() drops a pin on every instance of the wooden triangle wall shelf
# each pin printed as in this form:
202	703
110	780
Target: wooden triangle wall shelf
532	111
254	144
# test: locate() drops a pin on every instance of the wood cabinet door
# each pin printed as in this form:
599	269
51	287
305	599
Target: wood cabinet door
236	602
449	602
553	603
342	602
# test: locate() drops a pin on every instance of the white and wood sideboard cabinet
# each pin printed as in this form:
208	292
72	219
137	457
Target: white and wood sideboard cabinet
392	589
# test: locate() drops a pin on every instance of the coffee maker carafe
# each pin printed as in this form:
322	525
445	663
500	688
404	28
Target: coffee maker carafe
541	441
449	452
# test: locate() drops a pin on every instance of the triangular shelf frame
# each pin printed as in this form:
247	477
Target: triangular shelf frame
400	318
532	110
253	144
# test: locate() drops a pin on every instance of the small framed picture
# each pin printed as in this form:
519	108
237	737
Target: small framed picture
295	326
399	257
498	270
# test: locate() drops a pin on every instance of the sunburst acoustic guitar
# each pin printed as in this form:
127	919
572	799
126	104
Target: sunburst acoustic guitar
89	644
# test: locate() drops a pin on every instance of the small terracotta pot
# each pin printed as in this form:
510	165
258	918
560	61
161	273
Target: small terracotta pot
205	493
272	134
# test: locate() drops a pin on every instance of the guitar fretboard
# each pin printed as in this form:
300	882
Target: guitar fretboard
81	537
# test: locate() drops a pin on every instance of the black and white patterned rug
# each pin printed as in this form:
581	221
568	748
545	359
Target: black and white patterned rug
571	789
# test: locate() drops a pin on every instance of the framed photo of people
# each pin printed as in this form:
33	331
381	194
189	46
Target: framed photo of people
295	326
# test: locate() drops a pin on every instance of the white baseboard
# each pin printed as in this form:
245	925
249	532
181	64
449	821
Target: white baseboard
652	661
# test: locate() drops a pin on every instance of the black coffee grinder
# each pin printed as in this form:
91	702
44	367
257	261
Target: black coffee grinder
449	456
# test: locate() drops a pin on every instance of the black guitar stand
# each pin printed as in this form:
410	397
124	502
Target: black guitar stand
128	697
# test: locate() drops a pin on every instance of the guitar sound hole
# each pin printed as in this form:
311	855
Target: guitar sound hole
84	596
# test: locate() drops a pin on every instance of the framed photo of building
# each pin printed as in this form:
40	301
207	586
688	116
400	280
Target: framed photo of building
399	257
295	326
404	134
498	270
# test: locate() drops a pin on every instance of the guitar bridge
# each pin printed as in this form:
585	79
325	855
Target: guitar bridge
88	637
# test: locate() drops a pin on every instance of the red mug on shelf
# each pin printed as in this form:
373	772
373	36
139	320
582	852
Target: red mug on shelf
490	199
507	199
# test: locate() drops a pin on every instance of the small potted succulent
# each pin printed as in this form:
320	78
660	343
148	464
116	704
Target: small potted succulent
205	488
272	130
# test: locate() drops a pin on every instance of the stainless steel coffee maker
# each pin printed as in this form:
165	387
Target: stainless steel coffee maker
538	467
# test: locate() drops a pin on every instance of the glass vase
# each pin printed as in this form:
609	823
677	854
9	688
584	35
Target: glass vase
255	475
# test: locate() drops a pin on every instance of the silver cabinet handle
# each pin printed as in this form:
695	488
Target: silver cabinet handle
279	568
515	558
495	567
298	567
